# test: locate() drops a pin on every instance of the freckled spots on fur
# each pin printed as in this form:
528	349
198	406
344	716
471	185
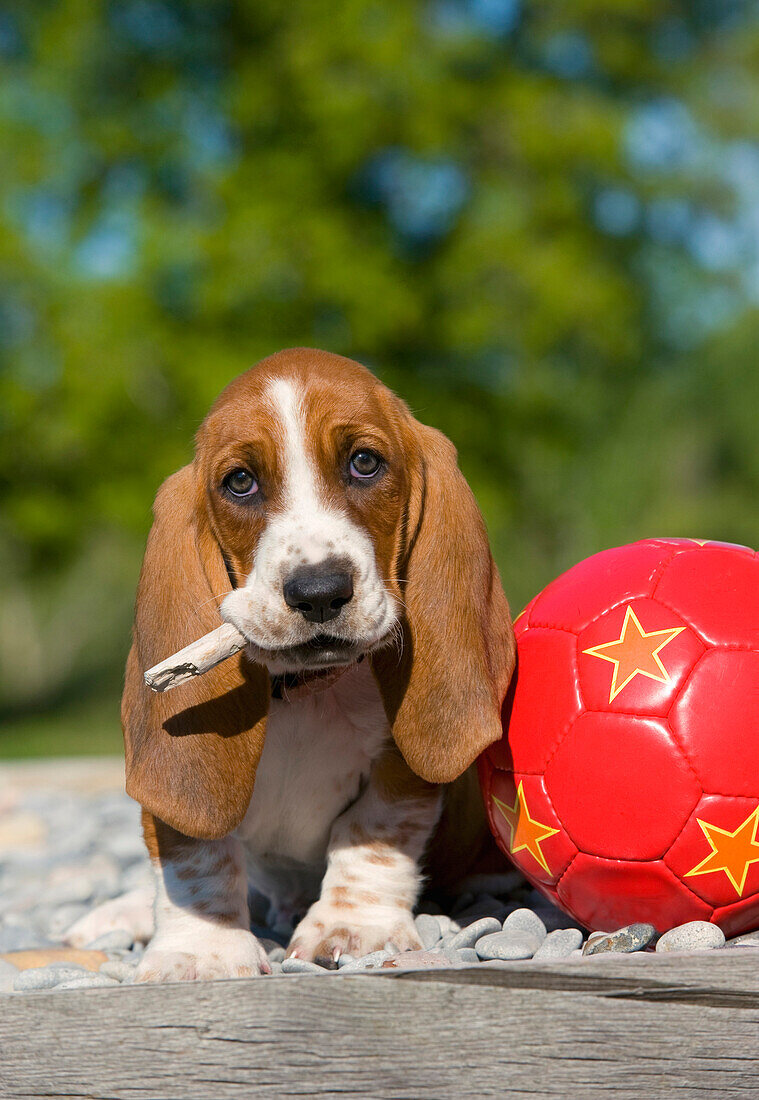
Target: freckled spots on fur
367	897
339	898
382	859
185	871
340	933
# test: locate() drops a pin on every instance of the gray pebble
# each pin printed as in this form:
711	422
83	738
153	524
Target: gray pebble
67	972
345	960
468	936
373	959
559	944
525	920
120	939
277	954
748	939
121	971
696	935
468	955
428	930
301	966
276	966
512	944
446	924
92	981
451	956
594	937
632	937
37	977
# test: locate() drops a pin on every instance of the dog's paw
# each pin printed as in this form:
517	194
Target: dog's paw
132	911
224	953
327	932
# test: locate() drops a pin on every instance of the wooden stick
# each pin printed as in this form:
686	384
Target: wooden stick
196	658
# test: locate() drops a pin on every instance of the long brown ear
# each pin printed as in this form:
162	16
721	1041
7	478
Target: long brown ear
443	693
191	754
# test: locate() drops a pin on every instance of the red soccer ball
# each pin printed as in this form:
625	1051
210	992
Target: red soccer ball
626	784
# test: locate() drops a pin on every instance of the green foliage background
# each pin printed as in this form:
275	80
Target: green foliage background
538	222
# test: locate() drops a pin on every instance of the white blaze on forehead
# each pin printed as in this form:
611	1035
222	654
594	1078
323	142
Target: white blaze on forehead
300	475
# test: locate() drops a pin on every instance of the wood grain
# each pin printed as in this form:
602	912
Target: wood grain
628	1027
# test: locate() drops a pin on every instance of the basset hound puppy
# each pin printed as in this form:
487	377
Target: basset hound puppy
328	763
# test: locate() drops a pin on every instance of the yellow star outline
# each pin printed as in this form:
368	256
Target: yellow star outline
730	852
526	832
635	654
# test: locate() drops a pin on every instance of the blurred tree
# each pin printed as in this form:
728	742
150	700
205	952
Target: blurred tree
539	223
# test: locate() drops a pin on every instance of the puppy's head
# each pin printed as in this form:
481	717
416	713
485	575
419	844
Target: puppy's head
305	470
326	523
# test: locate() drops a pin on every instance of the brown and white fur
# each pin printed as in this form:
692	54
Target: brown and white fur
335	794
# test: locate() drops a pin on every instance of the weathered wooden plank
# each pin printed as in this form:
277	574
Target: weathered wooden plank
624	1027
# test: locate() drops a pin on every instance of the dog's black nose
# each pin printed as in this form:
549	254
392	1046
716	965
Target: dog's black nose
318	592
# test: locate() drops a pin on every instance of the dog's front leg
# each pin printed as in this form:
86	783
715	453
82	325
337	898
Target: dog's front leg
372	880
201	909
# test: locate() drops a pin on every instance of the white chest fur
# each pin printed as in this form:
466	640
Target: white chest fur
319	749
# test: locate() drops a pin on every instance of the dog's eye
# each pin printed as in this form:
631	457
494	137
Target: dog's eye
241	483
364	464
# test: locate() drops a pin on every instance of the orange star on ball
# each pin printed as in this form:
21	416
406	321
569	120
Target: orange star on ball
526	832
732	853
635	653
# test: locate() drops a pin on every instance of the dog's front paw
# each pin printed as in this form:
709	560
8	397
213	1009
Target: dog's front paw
224	953
327	932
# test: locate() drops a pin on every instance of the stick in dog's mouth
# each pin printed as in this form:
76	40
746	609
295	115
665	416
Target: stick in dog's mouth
196	658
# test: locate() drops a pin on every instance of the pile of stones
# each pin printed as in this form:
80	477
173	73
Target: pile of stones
64	851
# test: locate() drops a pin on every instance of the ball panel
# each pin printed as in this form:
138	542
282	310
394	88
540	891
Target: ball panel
716	721
620	786
719	858
542	700
717	591
592	586
606	894
741	917
526	827
635	658
522	621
